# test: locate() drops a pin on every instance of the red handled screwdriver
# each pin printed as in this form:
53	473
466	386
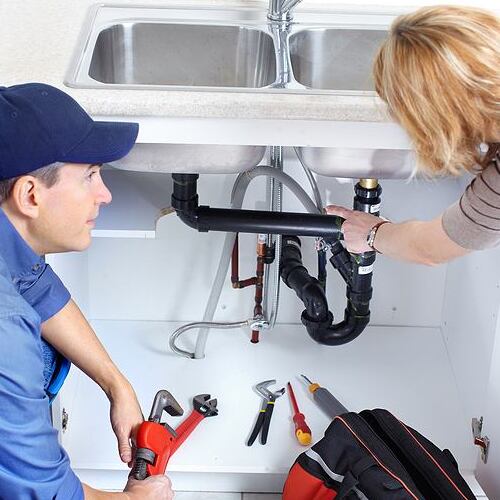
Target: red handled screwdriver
302	430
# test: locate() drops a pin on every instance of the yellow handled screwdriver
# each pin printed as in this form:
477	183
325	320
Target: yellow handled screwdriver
325	399
302	430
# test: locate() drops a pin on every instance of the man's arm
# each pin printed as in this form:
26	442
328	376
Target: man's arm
70	333
421	242
32	462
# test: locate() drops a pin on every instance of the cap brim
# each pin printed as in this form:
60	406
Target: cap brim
106	142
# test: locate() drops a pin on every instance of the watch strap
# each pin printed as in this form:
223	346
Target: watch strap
370	238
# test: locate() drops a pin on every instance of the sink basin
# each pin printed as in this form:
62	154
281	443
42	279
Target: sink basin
335	59
359	163
341	60
191	158
155	53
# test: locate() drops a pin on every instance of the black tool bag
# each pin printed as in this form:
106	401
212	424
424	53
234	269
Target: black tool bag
373	455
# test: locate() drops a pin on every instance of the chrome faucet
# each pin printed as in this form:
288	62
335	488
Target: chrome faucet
281	10
280	17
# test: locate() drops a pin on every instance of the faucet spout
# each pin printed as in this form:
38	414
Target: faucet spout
281	10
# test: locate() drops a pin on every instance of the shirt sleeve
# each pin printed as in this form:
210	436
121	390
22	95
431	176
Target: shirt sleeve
473	222
32	462
48	295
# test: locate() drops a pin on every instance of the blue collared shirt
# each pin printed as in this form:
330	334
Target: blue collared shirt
33	465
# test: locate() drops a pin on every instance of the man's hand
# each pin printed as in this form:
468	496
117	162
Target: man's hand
126	416
356	227
152	488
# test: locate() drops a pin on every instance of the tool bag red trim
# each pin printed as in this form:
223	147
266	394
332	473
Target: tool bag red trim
376	456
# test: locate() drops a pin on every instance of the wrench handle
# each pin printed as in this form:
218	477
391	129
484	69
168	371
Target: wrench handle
256	429
267	422
185	429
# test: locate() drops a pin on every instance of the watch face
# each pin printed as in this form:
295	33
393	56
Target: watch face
370	237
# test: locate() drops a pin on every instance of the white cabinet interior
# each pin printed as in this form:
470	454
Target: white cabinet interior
425	356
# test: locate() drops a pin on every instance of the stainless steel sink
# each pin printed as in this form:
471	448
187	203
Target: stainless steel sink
140	53
359	162
234	50
191	158
335	59
225	50
341	60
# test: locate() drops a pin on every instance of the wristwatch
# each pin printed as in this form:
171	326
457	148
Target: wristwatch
370	237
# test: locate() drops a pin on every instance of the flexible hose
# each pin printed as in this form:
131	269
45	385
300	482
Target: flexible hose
312	182
199	324
322	274
244	179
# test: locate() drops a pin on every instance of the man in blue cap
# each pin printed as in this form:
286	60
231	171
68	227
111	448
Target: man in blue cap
50	194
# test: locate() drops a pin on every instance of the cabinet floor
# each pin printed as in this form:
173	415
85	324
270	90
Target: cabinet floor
402	369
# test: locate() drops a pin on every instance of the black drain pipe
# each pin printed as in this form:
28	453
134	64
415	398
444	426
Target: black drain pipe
356	270
203	218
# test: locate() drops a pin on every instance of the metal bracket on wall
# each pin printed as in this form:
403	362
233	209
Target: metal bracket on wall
482	441
64	420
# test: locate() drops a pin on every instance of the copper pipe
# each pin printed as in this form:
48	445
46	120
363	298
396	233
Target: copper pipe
259	285
235	278
244	283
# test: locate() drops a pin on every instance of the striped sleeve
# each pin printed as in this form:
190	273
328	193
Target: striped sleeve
473	222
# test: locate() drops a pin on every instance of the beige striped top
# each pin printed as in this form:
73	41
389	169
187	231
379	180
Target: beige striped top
473	222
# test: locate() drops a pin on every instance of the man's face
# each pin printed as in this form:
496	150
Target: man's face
69	208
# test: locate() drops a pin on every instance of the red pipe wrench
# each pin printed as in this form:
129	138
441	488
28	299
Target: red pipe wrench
156	441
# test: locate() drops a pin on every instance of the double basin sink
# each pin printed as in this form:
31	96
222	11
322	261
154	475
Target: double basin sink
229	50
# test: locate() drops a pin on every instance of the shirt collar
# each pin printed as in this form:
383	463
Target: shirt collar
18	255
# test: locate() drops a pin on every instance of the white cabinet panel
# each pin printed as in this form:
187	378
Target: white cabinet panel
488	474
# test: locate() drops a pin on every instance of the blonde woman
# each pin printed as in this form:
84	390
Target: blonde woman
439	74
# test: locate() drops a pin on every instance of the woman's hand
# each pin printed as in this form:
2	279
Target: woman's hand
126	417
355	228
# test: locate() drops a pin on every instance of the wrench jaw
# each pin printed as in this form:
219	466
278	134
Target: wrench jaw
164	401
157	441
205	406
262	389
155	438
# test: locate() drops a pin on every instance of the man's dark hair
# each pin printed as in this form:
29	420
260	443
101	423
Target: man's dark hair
49	175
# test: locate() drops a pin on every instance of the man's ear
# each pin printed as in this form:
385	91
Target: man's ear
25	196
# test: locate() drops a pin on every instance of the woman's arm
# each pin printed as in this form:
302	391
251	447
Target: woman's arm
70	333
421	242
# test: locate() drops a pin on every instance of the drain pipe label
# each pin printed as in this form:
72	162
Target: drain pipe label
365	269
375	208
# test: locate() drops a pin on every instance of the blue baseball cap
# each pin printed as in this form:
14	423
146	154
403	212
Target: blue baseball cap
40	125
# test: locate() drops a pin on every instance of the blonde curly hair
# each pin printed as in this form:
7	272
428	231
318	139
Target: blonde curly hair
439	73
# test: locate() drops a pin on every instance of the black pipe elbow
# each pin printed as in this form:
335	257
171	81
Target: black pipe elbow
296	277
326	333
317	318
190	218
